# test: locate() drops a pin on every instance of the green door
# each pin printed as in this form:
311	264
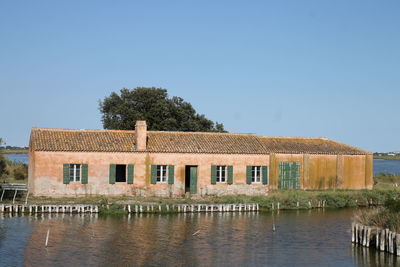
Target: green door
193	179
289	175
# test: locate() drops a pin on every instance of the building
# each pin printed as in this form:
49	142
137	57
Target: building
64	162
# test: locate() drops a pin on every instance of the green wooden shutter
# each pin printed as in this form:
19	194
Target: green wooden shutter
230	174
153	174
193	180
171	171
297	175
264	170
84	174
66	173
113	170
130	173
281	174
213	174
248	174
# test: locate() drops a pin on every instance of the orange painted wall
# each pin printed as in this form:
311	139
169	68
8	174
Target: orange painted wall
322	172
354	176
327	171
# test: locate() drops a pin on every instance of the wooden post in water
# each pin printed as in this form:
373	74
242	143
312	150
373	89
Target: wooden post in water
398	244
353	226
356	233
47	237
369	229
382	240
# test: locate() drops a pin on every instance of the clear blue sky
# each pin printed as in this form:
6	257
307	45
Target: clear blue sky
276	68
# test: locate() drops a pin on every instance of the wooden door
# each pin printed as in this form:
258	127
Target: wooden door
289	175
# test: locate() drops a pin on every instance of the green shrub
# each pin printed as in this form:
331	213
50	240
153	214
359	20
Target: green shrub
21	172
3	166
392	204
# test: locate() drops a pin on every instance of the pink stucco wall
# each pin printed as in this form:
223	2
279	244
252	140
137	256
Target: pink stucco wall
46	173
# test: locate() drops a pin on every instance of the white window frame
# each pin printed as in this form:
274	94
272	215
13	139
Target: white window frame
256	174
162	174
75	173
221	174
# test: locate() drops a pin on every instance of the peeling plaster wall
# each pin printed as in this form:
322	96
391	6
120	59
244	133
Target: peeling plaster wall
316	172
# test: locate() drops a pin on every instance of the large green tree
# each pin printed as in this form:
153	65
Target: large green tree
121	111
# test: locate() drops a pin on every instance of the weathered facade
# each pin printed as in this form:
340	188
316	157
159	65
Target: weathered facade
65	162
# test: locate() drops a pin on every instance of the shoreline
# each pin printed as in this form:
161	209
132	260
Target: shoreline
17	151
275	200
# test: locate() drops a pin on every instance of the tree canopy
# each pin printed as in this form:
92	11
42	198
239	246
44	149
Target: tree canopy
121	111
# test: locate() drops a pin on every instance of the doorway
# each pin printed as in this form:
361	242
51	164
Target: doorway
289	175
191	179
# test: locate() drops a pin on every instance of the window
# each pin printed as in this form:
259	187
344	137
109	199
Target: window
120	173
221	174
74	172
161	173
256	174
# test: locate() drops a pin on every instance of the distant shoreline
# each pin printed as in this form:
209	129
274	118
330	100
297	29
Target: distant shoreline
387	157
11	151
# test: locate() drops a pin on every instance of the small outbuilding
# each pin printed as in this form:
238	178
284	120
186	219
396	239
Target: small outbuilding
66	162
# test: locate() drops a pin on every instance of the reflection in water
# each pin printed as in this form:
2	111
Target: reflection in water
302	238
371	257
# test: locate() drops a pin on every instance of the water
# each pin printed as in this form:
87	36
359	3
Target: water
20	158
302	238
386	166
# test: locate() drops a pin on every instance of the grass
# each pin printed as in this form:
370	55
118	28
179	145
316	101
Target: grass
287	199
12	151
385	217
386	181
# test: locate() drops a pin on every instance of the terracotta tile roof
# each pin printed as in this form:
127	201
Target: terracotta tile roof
308	145
194	142
46	139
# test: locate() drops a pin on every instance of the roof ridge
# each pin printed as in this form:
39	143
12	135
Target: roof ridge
205	133
296	137
78	130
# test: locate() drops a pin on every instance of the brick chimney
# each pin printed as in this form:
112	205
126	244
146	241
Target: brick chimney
141	135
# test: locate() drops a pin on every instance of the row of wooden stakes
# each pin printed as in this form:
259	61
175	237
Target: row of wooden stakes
20	208
381	239
191	208
82	208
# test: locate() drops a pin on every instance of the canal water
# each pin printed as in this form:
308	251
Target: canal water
302	238
380	165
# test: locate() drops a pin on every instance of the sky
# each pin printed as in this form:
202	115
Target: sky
275	68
